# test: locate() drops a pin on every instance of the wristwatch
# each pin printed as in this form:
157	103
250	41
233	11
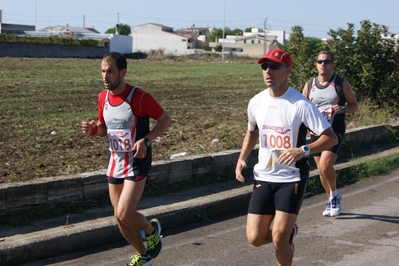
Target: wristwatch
306	150
344	109
147	142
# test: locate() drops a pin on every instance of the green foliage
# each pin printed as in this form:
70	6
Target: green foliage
237	32
369	62
303	51
48	40
137	55
203	217
124	29
218	33
359	172
206	48
5	257
218	48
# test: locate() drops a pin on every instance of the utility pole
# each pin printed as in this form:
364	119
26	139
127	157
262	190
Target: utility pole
117	26
224	22
265	36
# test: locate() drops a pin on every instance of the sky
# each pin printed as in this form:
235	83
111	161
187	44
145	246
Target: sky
315	17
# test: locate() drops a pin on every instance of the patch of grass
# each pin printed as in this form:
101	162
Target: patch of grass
357	173
203	217
5	258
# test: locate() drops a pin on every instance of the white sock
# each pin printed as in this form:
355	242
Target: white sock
333	193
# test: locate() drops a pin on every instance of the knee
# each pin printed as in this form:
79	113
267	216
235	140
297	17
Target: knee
279	241
123	217
324	168
118	217
255	240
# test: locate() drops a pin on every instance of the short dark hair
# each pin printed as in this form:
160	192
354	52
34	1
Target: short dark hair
328	53
120	60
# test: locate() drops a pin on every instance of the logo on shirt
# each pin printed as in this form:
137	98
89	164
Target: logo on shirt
278	129
119	133
116	123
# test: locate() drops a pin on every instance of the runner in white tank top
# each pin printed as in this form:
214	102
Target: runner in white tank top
334	97
123	116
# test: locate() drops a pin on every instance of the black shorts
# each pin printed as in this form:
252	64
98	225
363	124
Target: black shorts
268	197
333	149
117	181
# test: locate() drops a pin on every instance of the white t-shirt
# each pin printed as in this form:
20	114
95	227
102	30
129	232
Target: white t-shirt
278	120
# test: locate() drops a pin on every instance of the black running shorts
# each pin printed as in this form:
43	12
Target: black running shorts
117	181
268	197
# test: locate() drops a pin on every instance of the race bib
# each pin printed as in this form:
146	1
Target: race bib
326	111
276	137
120	140
274	140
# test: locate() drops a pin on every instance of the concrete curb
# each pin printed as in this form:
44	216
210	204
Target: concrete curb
188	208
50	192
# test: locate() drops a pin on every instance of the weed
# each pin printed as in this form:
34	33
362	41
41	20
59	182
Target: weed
203	217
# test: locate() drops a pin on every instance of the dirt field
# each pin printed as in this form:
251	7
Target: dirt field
44	101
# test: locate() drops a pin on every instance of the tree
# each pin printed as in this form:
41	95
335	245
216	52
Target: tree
218	48
218	34
124	29
237	32
303	51
368	61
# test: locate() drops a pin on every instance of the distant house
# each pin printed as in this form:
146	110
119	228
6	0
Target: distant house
154	37
115	42
12	29
254	44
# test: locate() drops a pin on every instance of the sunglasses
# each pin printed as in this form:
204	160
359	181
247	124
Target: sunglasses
273	66
326	62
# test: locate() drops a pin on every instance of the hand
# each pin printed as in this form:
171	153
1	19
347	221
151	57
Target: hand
241	164
140	149
287	157
87	127
337	109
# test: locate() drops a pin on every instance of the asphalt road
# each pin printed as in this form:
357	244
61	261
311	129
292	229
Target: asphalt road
366	233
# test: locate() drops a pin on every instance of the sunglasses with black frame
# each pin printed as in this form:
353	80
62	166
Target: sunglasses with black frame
326	62
272	66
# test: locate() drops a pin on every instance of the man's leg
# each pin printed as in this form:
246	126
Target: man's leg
124	199
281	234
325	165
258	229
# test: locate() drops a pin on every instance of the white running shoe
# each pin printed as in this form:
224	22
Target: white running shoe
336	207
326	212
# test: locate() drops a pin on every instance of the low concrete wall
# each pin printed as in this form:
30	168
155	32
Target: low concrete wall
48	192
50	50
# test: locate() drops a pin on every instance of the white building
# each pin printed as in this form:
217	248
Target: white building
255	43
153	37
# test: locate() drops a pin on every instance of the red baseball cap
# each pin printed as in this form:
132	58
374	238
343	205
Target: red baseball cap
277	55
